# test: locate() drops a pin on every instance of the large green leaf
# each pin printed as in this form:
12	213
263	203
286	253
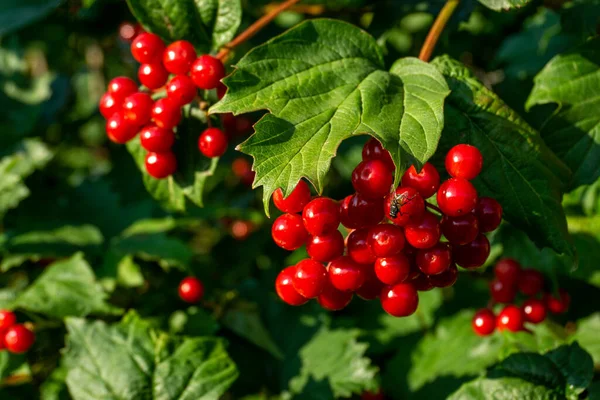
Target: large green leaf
572	81
324	81
15	14
504	389
587	335
519	171
500	5
131	361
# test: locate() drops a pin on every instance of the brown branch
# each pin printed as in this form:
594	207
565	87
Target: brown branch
437	28
429	205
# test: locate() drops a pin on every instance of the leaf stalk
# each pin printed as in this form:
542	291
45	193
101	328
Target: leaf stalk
437	29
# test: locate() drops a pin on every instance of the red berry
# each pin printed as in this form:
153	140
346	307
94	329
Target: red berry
166	114
346	274
371	288
502	292
121	87
446	278
325	248
474	254
399	300
207	72
310	278
153	76
460	230
285	290
372	395
178	57
484	322
321	216
456	197
18	339
181	90
356	211
434	260
372	179
534	311
212	142
240	229
507	271
288	232
404	205
373	150
127	31
243	170
464	161
530	282
295	201
511	318
489	213
421	282
119	130
161	165
557	305
221	89
7	319
385	240
425	233
191	289
333	299
393	269
108	105
137	108
359	248
147	48
156	139
426	182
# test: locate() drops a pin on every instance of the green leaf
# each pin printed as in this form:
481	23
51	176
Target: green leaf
519	171
580	17
167	251
130	361
572	81
587	335
54	387
504	5
324	81
576	367
504	389
193	321
15	14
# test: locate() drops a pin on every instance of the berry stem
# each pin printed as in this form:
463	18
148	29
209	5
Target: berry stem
435	208
437	28
254	28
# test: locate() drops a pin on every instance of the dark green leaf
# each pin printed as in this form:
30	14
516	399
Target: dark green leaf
576	367
15	14
580	17
167	251
504	5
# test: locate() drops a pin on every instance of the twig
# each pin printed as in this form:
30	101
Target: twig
436	29
436	208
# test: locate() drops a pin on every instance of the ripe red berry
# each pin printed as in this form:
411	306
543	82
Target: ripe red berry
434	260
137	108
425	233
7	319
399	300
191	289
156	139
153	76
456	197
108	105
243	170
557	305
502	292
507	271
371	288
285	289
166	114
161	165
460	230
356	211
288	232
489	214
530	282
426	182
403	206
118	129
421	282
385	240
484	322
474	254
181	90
534	311
373	150
325	248
295	201
310	278
359	248
446	278
240	229
346	274
121	87
207	72
127	31
178	57
321	216
511	318
333	299
18	339
464	161
372	179
393	269
221	89
147	48
212	142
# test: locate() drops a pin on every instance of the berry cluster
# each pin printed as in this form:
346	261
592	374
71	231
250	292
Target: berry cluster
129	111
389	261
509	279
16	338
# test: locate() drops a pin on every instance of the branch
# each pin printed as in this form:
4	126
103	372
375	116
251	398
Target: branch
437	28
429	205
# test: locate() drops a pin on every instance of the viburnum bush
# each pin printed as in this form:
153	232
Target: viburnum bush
274	200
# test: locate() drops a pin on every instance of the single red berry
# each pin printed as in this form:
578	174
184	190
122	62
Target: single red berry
346	274
288	232
310	278
285	289
121	87
511	318
557	305
161	165
333	299
166	114
295	201
425	233
372	179
489	214
221	89
502	292
156	139
119	130
137	108
325	248
386	240
399	300
178	57
18	339
378	395
404	205
127	31
108	105
484	322
321	216
207	72
421	282
456	197
426	182
373	150
181	90
392	270
464	161
474	254
460	230
446	278
191	289
7	319
358	247
530	282
153	76
240	229
147	48
508	271
212	142
534	310
356	211
434	260
371	288
243	170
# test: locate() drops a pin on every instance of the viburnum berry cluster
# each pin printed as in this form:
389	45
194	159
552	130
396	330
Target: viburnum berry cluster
129	111
511	279
14	337
394	259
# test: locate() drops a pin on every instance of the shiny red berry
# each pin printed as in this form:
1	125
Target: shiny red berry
18	339
178	57
434	260
372	179
373	150
161	165
212	142
310	278
356	211
153	76
474	254
166	114
181	90
7	319
121	87
191	289
530	282
288	232
399	300
120	130
404	205
425	233
426	182
446	278
456	197
484	322
346	274
460	230
489	214
508	271
557	305
464	161
393	269
333	299
371	288
108	105
321	216
207	72
502	292
534	310
385	240
285	289
359	248
511	318
295	201
156	139
137	108
325	248
421	282
147	48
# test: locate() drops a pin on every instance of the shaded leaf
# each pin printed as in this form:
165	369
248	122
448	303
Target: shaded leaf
15	14
504	389
504	5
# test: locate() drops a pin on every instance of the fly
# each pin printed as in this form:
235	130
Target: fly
397	203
